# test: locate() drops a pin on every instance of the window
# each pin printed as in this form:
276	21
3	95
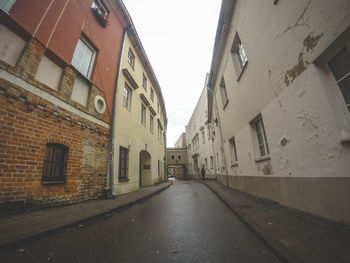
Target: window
211	162
223	93
158	168
123	164
131	58
101	12
144	82
206	163
152	95
340	67
6	5
151	119
143	114
55	163
258	126
158	107
233	151
239	55
127	97
203	137
158	132
179	157
172	157
84	57
217	161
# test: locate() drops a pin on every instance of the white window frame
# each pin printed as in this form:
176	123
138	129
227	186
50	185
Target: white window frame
144	81
233	150
151	121
127	100
131	58
92	59
239	56
260	137
6	6
223	92
143	114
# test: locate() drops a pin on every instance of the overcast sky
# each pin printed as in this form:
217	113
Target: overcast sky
178	37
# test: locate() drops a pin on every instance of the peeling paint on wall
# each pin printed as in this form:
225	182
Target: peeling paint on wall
310	42
294	72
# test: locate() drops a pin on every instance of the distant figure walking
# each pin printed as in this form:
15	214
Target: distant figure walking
203	173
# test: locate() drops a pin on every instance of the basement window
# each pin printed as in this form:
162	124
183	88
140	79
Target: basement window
55	164
100	11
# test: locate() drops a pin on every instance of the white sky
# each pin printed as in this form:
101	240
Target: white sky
178	37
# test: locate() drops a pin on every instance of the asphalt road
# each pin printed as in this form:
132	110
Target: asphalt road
185	223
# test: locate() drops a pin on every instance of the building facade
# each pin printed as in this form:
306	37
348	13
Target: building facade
278	102
177	162
181	142
58	69
199	140
140	121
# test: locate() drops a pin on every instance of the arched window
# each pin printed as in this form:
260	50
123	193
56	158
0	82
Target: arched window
55	163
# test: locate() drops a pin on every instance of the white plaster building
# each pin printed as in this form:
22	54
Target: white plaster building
278	102
198	139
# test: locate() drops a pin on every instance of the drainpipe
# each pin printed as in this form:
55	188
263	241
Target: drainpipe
114	119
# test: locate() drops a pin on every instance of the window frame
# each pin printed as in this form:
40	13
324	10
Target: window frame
131	58
100	11
143	114
179	157
151	94
144	81
87	44
223	92
51	157
151	123
239	56
128	98
123	169
233	150
261	141
7	7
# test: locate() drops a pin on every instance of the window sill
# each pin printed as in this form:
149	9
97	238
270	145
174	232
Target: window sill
241	72
53	182
123	180
235	164
262	159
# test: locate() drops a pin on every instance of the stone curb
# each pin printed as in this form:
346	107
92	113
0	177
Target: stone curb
20	242
276	248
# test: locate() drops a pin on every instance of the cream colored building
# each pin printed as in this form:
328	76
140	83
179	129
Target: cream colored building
181	142
279	102
140	121
176	162
199	140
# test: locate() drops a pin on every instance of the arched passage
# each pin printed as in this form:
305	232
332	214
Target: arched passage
145	169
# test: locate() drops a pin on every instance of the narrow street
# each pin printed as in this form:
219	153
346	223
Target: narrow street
185	223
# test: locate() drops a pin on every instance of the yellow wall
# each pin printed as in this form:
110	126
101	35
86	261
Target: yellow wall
131	133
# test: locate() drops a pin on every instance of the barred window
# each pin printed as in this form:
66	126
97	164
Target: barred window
123	164
55	163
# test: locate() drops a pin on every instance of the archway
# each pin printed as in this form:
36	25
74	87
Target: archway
145	169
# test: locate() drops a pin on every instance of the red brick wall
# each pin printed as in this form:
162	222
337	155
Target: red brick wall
25	130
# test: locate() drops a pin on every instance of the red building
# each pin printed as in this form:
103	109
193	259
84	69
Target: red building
59	60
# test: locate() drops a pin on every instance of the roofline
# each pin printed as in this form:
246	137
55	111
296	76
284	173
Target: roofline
129	26
222	31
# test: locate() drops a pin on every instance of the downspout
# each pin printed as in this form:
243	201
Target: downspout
114	118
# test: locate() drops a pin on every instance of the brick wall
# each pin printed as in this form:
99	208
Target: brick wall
28	122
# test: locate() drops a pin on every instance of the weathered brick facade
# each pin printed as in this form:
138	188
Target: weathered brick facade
28	122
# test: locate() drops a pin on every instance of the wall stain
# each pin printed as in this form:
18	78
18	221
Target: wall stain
294	72
310	42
